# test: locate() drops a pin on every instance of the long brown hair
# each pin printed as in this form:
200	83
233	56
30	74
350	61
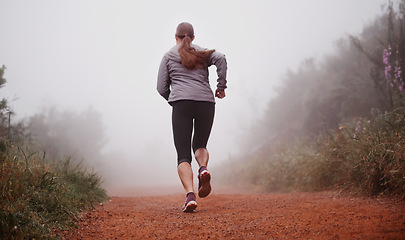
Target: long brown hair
191	58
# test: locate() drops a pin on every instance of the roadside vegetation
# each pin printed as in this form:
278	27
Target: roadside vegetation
338	123
40	192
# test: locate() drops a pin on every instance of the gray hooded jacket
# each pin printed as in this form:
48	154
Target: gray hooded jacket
178	83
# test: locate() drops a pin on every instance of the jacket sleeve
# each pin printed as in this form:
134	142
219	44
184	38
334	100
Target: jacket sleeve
163	80
219	60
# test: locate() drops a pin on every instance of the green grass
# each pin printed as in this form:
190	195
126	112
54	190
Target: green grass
37	197
364	156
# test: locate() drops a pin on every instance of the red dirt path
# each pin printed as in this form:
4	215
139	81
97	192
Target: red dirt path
323	215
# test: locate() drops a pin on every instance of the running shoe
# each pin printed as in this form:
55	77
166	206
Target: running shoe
204	185
190	203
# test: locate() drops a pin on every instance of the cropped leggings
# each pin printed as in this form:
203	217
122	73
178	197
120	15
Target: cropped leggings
189	116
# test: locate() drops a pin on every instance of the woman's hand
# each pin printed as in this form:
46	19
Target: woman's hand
220	93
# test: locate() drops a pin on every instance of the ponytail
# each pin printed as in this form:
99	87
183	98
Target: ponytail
191	58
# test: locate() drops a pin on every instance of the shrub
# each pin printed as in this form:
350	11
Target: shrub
38	197
365	156
375	153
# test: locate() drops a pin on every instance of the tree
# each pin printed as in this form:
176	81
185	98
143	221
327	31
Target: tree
3	107
64	134
385	47
8	132
3	104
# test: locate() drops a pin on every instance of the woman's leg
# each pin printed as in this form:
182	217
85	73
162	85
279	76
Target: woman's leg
202	129
186	176
182	123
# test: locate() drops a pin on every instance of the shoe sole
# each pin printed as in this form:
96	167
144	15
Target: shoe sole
205	189
190	207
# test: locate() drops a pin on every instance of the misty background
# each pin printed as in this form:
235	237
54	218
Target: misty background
97	61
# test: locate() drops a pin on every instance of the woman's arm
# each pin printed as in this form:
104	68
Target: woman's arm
163	80
219	60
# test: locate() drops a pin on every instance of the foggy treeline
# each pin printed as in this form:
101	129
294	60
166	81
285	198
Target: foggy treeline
79	137
322	94
63	136
298	138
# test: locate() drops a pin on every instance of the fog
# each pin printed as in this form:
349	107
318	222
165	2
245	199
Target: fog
102	54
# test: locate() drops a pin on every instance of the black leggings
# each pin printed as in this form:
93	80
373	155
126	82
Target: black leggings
186	116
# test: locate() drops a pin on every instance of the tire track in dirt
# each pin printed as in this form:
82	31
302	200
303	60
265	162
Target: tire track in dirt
324	215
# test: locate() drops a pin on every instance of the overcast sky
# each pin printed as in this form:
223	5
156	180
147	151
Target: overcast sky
105	54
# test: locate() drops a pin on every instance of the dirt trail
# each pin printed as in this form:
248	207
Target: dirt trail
323	215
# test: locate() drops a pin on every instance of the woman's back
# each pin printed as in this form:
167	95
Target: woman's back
191	84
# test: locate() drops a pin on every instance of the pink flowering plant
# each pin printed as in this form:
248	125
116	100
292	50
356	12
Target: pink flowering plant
393	72
394	76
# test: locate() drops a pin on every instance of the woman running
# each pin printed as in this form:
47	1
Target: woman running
183	82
